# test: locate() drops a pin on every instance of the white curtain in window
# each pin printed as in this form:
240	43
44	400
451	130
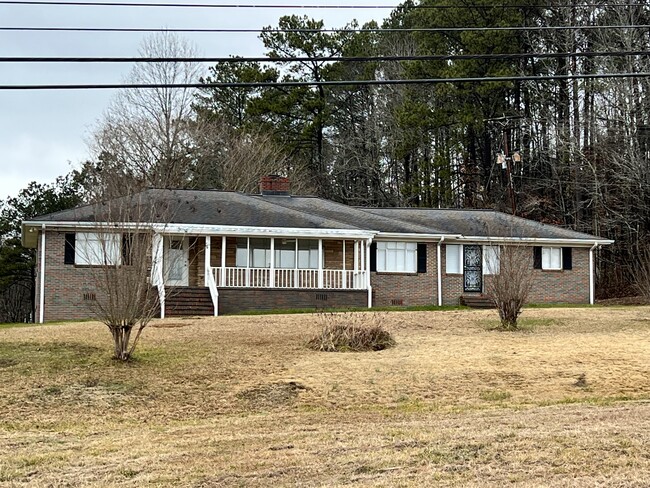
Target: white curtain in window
454	258
93	249
397	257
260	253
307	254
551	258
241	255
285	253
491	260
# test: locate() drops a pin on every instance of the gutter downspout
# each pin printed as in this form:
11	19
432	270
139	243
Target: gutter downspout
439	267
592	281
41	298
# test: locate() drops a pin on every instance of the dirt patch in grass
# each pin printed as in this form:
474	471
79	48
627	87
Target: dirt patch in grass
272	395
241	401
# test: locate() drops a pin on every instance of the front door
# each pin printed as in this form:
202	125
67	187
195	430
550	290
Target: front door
177	261
472	269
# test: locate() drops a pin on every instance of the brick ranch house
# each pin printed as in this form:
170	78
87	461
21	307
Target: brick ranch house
223	252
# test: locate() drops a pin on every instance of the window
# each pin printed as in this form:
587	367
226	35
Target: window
491	260
93	249
397	257
454	259
260	253
285	253
253	253
241	254
551	258
308	254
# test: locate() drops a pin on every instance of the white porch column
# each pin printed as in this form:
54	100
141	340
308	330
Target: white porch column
248	262
439	269
223	261
206	265
367	271
272	269
344	281
355	273
320	263
157	275
41	297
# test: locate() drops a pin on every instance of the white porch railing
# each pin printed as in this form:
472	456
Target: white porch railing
289	278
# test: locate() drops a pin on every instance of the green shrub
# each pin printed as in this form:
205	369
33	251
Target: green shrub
356	332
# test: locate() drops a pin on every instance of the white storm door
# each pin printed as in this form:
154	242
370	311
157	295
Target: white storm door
177	261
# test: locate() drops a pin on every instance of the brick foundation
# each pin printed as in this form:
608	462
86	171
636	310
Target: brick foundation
232	300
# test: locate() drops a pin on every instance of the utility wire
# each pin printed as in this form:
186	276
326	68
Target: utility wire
314	31
289	6
355	59
295	84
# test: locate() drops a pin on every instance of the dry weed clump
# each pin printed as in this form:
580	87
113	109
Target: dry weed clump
351	332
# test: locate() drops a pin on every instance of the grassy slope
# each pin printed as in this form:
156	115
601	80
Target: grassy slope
239	401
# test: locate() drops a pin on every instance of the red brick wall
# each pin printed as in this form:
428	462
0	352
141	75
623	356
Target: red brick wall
394	289
233	300
566	286
65	284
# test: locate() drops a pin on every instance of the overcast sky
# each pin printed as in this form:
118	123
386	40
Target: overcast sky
43	133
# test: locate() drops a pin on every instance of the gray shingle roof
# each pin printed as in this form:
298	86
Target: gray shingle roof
479	223
211	207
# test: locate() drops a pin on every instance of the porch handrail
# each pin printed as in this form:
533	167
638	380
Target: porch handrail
214	292
296	278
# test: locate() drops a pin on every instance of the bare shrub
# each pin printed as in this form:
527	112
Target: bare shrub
120	270
351	332
510	284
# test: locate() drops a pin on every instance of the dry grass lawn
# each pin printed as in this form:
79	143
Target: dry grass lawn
240	401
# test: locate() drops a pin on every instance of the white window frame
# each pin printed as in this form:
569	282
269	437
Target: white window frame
547	258
397	257
97	249
491	253
458	268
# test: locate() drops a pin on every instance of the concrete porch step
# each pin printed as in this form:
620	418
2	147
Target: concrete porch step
477	301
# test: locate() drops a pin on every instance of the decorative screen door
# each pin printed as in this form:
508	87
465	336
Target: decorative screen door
472	269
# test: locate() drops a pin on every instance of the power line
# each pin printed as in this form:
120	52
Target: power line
295	84
314	31
285	6
354	59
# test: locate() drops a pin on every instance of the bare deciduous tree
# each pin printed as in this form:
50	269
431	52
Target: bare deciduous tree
641	274
510	283
232	159
145	134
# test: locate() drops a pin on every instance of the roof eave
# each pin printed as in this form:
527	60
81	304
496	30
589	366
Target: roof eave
587	241
201	229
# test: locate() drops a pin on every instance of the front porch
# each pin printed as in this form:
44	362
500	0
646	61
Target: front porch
272	272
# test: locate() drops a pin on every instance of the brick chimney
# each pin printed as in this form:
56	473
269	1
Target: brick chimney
275	185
